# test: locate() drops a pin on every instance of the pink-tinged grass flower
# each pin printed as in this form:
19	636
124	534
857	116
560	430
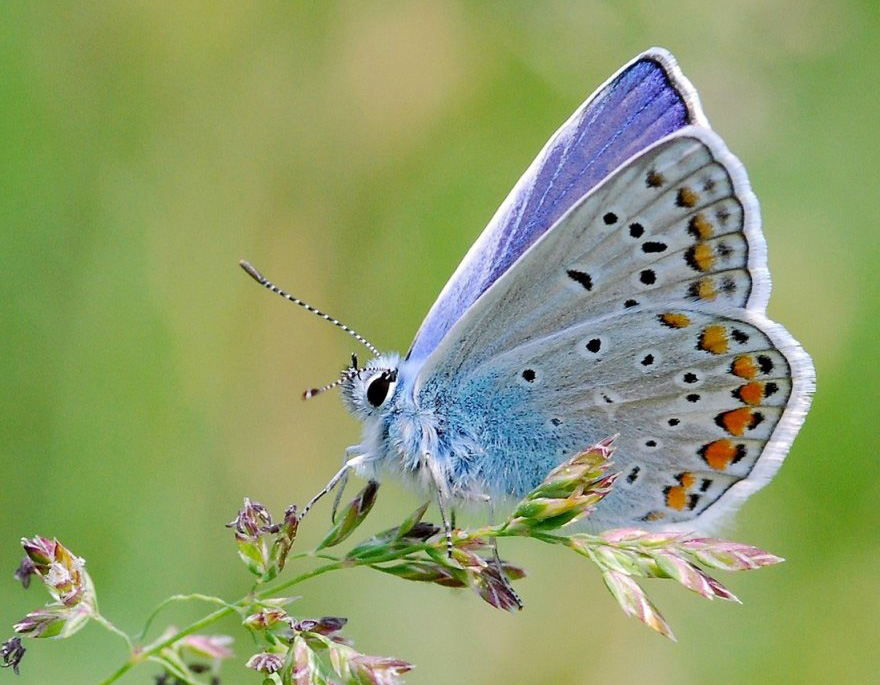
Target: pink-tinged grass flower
262	544
377	670
284	537
267	618
726	555
305	668
568	493
61	571
362	669
492	584
69	585
629	553
252	535
634	602
48	622
490	579
266	662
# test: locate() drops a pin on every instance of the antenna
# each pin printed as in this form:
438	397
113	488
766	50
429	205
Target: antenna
262	280
309	394
347	374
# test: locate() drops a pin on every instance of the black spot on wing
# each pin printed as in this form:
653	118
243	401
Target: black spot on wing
581	277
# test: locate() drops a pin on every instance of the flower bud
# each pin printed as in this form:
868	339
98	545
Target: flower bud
284	537
53	621
495	588
266	662
11	652
266	618
571	476
306	668
352	516
61	572
727	555
378	670
252	527
568	493
634	602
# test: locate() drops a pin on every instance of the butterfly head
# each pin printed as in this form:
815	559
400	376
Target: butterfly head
366	391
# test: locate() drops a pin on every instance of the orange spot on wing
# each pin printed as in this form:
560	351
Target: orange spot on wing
744	367
713	339
704	256
751	393
675	320
719	454
706	289
687	480
655	179
687	197
736	421
700	228
676	497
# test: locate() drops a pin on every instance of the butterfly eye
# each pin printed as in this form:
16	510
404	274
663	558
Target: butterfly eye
378	387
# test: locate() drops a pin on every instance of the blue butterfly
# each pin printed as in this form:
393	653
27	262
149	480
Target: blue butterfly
621	288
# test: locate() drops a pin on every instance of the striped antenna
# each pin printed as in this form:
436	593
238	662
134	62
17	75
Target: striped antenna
262	280
309	394
347	374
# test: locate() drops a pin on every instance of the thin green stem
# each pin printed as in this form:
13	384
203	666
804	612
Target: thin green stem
315	554
113	629
304	576
176	598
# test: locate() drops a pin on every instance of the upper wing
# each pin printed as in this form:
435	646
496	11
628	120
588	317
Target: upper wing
646	100
643	304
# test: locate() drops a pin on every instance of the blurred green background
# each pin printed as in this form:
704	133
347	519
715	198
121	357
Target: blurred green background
353	151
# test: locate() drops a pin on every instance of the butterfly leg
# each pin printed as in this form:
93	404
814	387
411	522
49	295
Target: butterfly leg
341	476
499	567
338	498
342	483
447	524
438	481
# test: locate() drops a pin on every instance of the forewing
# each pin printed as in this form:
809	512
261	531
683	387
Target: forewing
677	223
641	312
645	101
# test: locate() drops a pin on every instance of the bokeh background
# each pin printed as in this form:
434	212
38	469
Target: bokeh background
353	151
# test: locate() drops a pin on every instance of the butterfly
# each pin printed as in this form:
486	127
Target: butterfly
620	289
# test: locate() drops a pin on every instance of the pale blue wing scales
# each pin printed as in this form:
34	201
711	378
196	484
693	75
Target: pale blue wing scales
702	421
645	101
570	345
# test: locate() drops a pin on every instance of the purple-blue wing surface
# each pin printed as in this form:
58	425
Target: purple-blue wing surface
646	100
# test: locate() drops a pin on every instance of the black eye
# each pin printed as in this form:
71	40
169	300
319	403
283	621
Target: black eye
377	390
